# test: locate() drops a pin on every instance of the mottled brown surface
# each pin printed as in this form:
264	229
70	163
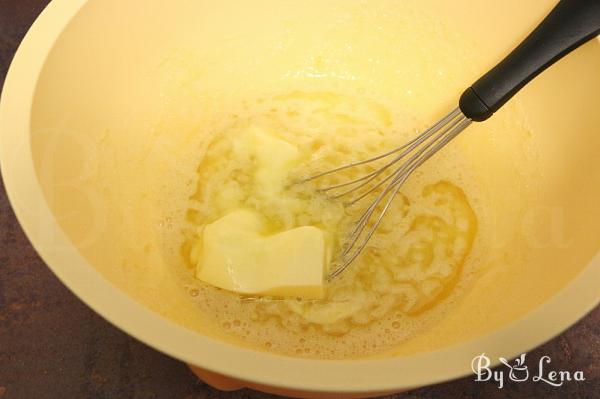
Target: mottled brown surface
53	346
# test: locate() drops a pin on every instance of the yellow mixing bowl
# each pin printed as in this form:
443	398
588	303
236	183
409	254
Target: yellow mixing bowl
84	68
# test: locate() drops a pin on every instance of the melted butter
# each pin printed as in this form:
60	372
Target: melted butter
411	262
237	252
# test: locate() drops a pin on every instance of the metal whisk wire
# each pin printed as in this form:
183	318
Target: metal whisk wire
414	153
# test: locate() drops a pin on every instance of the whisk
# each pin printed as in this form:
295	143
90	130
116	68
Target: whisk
570	24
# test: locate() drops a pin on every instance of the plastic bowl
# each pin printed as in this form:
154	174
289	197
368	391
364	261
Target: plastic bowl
57	83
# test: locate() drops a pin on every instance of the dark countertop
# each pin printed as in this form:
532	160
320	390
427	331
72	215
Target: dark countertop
54	346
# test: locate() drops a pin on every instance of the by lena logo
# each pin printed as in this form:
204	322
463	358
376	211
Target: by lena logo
519	372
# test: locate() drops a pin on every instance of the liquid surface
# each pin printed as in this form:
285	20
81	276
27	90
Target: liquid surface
411	262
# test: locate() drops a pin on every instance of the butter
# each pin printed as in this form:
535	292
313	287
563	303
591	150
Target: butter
235	254
274	159
240	252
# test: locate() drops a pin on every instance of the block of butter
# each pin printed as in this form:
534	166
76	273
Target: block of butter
234	254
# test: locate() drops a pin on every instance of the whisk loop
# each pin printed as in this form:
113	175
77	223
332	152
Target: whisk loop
389	178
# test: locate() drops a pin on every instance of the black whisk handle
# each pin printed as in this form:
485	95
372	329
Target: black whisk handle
570	24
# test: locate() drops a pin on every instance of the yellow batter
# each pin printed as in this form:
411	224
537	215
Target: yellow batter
369	88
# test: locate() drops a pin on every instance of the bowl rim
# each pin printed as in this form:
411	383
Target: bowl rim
335	376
